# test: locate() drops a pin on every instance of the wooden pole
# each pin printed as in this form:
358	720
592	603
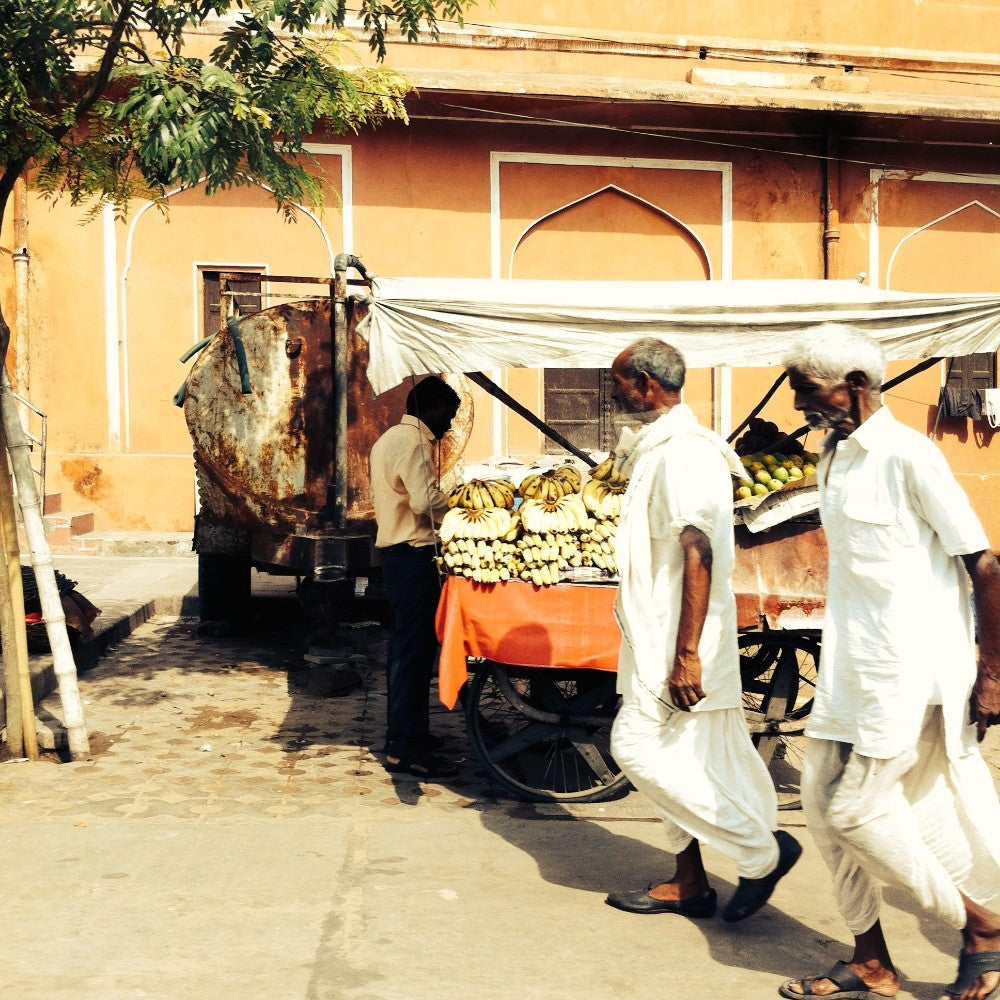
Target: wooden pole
485	382
16	667
53	615
11	677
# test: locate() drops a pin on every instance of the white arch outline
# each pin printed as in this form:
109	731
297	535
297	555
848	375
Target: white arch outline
116	326
721	377
875	177
975	203
594	194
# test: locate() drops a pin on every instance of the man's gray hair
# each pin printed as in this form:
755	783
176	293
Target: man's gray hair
658	360
832	351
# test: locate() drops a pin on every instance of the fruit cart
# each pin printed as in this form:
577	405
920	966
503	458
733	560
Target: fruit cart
534	668
540	698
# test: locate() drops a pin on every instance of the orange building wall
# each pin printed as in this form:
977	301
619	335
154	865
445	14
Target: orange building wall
575	203
948	24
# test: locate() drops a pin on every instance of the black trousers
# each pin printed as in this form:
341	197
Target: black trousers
412	586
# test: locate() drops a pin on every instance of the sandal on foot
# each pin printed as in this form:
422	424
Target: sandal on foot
752	893
641	902
849	986
971	965
426	767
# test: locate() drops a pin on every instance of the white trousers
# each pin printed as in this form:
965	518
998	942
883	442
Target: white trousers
919	821
705	779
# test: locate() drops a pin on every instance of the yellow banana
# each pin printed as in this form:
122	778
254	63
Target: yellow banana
570	475
450	524
603	469
593	494
527	484
493	492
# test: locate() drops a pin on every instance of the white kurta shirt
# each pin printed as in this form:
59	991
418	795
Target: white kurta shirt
680	476
899	632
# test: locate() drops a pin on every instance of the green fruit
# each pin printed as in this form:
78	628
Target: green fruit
763	476
774	485
781	474
744	493
794	473
760	490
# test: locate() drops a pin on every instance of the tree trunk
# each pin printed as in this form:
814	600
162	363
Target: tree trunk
19	447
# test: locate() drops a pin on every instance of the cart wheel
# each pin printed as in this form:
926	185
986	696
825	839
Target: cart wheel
778	670
544	734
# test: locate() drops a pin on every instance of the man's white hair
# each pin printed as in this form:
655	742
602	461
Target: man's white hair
832	351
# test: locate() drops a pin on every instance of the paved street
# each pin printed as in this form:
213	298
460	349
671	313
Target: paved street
235	837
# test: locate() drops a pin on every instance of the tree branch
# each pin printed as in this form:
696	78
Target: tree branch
100	80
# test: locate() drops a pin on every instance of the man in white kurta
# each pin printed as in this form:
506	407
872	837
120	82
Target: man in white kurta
894	788
681	736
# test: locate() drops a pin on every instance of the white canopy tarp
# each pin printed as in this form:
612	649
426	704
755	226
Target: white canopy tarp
419	326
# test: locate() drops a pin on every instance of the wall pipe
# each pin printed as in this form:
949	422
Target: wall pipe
21	262
831	206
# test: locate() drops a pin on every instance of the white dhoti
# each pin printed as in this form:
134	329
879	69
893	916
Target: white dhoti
705	779
920	821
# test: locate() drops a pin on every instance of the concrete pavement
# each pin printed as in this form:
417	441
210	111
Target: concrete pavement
235	836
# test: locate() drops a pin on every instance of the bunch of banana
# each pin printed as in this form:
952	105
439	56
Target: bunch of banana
603	498
597	544
482	560
570	474
565	514
606	472
475	522
552	484
542	557
482	494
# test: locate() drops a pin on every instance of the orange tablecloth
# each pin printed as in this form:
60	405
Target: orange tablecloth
569	625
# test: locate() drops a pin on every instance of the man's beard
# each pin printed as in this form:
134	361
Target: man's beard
826	421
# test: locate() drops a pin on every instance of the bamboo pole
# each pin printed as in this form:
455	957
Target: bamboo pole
18	446
22	736
8	633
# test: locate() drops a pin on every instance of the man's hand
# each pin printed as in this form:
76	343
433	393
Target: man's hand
984	704
684	684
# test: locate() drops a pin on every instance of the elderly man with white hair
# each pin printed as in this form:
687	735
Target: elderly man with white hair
893	785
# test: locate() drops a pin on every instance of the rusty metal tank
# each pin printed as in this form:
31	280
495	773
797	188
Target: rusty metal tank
266	458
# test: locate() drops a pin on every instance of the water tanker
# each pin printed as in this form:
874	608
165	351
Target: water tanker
282	418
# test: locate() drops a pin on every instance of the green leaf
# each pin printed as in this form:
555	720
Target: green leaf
169	113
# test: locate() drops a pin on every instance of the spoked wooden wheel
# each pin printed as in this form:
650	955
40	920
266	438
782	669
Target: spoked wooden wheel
778	670
544	733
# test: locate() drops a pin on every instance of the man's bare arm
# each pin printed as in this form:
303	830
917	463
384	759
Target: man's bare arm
685	680
984	705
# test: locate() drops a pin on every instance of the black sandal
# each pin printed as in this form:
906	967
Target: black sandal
424	767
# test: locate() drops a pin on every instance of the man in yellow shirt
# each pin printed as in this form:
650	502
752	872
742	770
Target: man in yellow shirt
408	502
